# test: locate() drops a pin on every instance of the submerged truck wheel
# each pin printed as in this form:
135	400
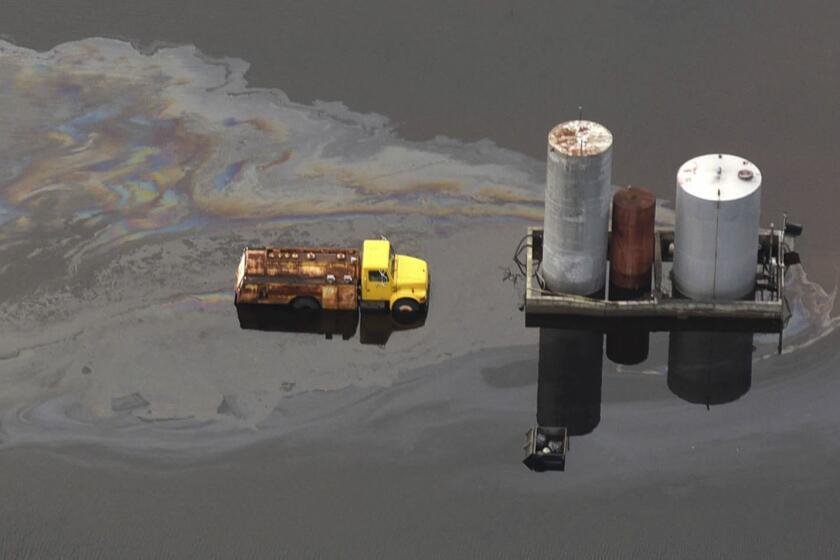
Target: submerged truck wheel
305	304
406	306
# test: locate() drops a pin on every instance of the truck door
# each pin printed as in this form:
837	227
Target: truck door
377	271
377	285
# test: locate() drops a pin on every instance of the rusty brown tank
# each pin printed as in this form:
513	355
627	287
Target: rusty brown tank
631	244
631	264
328	277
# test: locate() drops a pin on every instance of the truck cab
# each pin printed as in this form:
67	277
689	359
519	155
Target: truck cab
390	281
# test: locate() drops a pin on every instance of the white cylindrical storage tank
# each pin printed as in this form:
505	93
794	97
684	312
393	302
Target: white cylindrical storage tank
716	233
577	207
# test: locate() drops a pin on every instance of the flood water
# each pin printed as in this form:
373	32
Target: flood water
143	147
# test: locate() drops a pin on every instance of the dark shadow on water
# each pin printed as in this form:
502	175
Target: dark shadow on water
280	318
569	382
568	394
630	345
378	326
709	367
375	327
704	367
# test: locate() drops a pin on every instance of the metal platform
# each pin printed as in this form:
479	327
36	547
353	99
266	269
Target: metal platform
660	310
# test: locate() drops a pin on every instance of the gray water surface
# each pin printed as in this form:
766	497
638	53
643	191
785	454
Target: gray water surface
139	420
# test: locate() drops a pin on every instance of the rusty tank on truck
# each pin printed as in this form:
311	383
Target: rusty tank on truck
336	278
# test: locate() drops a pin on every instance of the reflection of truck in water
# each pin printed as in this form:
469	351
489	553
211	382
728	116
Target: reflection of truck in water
374	327
339	279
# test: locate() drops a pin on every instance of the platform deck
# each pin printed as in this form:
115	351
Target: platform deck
657	311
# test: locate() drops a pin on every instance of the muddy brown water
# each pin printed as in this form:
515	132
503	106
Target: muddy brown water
138	419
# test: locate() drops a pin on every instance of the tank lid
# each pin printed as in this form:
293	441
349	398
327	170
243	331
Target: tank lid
580	138
719	177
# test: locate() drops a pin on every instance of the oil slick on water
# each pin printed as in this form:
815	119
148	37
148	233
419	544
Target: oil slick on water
125	182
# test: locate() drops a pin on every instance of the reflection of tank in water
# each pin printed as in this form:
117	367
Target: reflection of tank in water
568	394
569	383
375	327
710	367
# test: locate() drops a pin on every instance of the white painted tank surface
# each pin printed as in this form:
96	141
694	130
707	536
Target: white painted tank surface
716	232
577	207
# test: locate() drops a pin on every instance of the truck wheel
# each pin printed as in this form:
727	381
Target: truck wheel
406	306
305	304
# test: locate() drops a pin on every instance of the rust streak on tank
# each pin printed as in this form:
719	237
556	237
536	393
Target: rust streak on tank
580	138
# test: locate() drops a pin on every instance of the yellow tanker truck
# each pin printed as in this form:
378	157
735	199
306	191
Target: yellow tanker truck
311	278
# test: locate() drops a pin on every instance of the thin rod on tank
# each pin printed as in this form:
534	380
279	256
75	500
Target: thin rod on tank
580	120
